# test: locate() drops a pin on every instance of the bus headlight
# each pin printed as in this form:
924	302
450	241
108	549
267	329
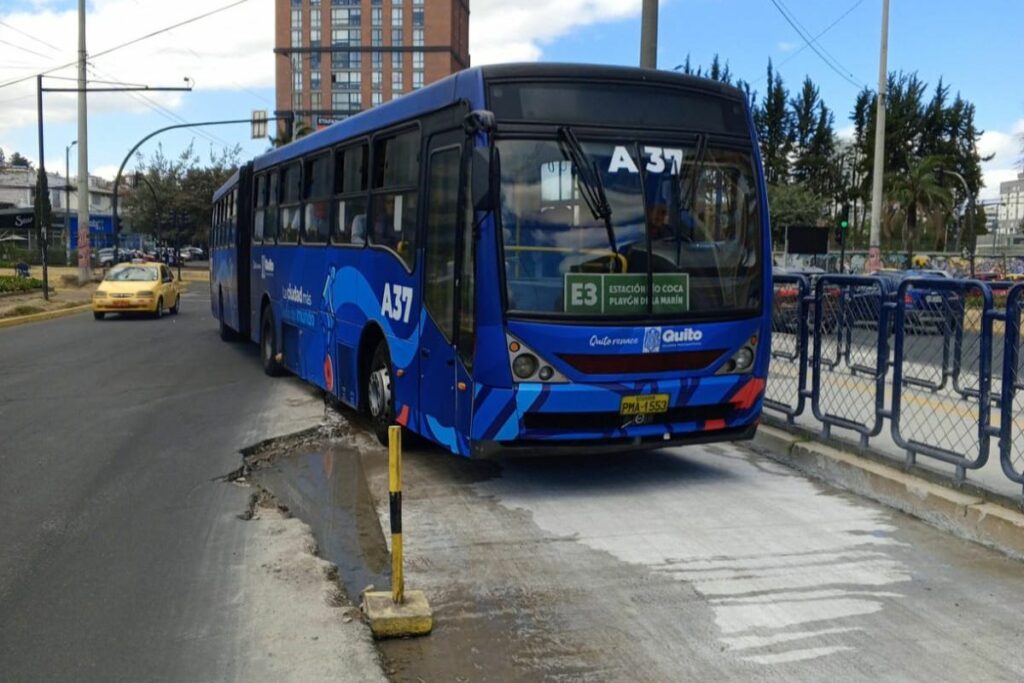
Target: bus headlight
742	361
528	366
525	365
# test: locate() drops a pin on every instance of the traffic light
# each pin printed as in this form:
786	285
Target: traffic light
842	223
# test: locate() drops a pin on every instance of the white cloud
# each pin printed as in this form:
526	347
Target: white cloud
232	50
1006	162
786	46
846	133
107	172
504	31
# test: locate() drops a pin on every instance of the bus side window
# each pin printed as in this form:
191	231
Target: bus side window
350	172
395	178
270	218
317	196
261	204
291	205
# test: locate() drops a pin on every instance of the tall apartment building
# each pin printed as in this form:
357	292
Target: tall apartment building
337	57
1011	205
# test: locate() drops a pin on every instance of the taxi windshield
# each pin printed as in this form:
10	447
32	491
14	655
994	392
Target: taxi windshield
132	274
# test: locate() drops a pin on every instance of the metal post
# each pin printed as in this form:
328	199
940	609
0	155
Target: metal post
395	500
67	193
970	225
84	257
40	214
649	35
874	261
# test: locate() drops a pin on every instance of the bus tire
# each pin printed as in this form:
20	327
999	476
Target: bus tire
380	397
268	345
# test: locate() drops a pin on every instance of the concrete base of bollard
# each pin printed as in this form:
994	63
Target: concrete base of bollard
389	620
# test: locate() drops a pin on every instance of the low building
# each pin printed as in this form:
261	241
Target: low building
1011	205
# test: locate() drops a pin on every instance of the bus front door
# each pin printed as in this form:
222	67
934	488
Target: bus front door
438	357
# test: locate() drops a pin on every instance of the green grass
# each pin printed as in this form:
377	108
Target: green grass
21	310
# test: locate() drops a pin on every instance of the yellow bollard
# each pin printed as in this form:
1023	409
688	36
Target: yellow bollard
395	501
397	614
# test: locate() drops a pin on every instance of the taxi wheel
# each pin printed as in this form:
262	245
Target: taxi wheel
177	305
159	313
98	315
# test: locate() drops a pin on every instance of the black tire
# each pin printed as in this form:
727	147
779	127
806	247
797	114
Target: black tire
268	345
177	304
99	315
159	313
380	397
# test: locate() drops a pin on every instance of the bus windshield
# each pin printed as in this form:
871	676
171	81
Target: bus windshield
684	235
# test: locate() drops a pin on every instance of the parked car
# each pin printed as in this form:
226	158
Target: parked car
105	257
139	288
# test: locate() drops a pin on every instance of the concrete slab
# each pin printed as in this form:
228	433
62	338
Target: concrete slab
390	620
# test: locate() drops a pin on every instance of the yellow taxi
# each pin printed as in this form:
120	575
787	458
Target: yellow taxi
137	288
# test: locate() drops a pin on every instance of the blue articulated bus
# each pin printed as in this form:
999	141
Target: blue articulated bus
517	258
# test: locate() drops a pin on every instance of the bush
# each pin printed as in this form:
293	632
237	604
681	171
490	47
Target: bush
9	283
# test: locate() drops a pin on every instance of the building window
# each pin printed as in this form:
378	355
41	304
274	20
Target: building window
417	37
396	60
314	79
346	80
417	17
297	81
346	60
376	16
377	98
377	37
396	83
417	80
417	60
346	16
316	102
346	101
378	60
375	79
396	36
345	37
396	16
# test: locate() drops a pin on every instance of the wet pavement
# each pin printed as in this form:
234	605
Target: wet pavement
703	563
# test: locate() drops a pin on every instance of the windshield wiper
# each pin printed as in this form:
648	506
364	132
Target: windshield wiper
591	187
689	196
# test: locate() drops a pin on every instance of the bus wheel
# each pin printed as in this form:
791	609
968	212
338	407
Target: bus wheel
268	346
379	394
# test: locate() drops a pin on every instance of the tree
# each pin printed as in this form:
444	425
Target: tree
773	122
182	186
20	161
917	192
792	205
43	208
299	129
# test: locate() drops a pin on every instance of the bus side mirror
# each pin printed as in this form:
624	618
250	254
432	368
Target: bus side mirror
483	181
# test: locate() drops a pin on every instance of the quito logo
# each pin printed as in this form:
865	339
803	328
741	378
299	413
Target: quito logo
687	334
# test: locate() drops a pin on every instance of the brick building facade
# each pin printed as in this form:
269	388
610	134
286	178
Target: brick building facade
334	58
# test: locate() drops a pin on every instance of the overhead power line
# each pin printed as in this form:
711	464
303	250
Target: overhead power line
30	36
133	41
23	48
832	63
824	30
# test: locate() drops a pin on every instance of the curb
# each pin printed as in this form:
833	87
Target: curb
46	315
967	515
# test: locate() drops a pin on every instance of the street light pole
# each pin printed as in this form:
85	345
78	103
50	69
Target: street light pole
40	213
649	35
875	245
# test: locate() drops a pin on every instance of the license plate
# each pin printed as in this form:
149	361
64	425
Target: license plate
644	405
123	303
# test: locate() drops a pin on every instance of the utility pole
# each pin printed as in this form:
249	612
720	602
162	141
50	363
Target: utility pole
649	35
84	257
41	218
67	195
875	245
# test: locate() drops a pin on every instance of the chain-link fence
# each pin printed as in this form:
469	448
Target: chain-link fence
935	358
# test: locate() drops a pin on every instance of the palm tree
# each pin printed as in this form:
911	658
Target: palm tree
299	128
917	190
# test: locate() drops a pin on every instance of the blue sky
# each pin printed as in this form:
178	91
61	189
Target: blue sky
976	51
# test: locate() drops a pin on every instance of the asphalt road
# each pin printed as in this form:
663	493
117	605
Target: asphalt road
120	550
